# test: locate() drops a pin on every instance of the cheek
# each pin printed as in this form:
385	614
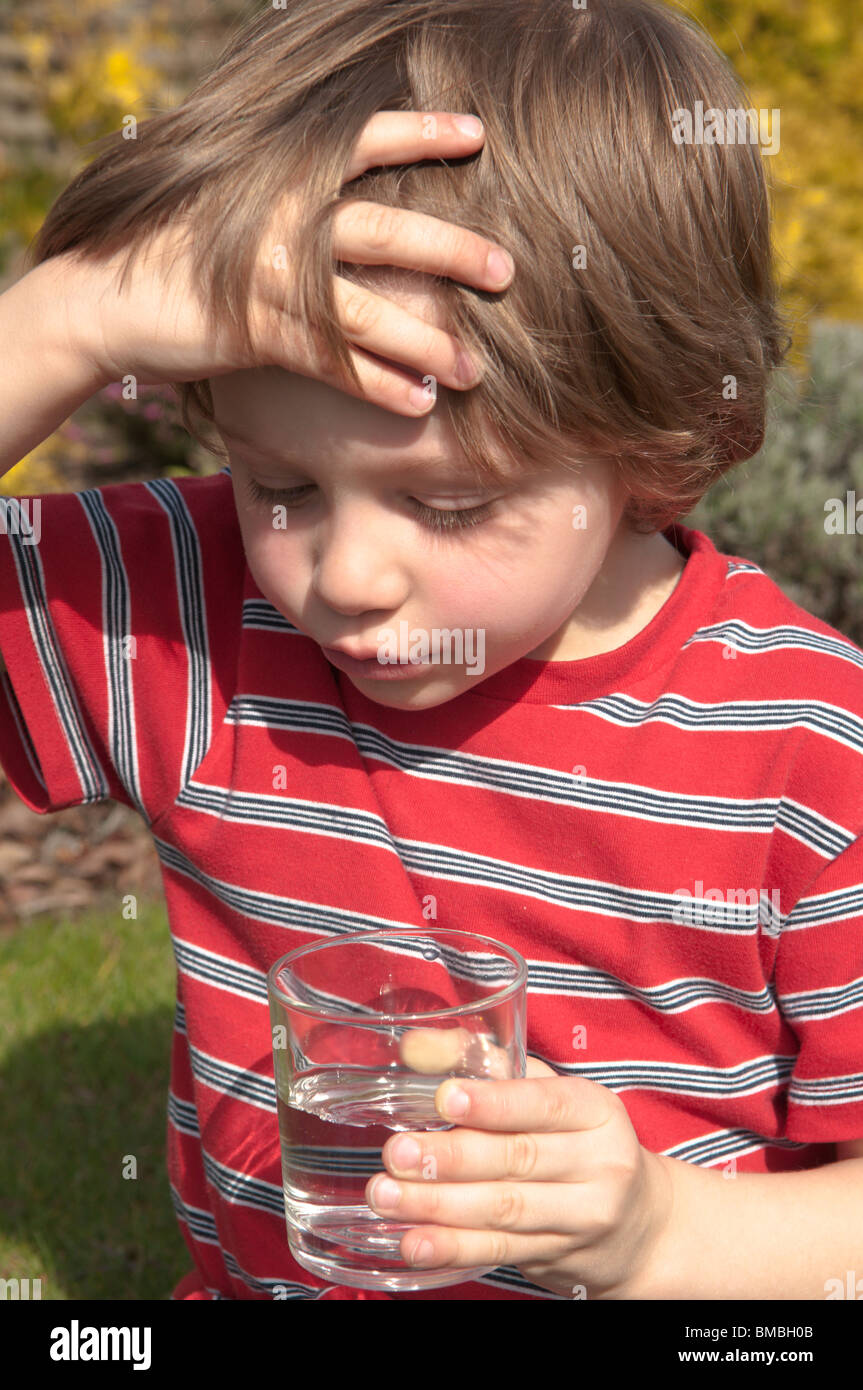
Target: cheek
542	569
266	549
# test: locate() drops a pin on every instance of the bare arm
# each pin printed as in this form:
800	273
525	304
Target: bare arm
45	377
758	1235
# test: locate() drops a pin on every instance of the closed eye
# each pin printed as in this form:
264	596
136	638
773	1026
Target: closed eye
433	518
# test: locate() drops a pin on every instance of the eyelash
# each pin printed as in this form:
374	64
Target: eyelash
433	518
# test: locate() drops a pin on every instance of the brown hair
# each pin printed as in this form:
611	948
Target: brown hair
624	358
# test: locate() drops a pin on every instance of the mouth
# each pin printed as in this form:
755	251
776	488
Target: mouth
369	668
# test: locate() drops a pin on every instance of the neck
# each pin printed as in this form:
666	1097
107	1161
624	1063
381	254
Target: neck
638	576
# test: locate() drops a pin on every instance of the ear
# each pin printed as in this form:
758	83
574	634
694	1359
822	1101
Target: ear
533	1067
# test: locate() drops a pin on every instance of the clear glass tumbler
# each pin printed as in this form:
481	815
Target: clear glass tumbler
366	1027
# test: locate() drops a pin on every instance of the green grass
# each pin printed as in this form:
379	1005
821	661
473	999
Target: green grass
86	1016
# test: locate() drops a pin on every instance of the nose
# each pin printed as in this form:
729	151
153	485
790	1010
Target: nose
355	566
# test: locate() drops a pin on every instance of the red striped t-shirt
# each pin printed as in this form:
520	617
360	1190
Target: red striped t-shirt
567	808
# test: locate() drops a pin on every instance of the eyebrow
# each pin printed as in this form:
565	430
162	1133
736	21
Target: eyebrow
462	470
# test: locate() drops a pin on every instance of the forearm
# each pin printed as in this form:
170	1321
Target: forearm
44	377
756	1235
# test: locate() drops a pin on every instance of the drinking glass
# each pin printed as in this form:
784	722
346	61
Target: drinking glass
366	1027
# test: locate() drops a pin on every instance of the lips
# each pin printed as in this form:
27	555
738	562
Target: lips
372	668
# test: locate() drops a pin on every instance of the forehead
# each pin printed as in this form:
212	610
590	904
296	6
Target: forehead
288	415
283	415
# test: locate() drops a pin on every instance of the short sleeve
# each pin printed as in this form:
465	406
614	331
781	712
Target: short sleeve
106	635
818	978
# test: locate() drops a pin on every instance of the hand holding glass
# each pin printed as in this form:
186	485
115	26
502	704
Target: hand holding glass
366	1027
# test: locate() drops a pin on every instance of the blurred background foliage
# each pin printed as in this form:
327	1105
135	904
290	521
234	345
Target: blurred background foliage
70	74
805	58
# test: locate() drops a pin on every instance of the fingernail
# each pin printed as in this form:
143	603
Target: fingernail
405	1153
455	1102
386	1193
500	266
468	125
423	1253
420	398
465	370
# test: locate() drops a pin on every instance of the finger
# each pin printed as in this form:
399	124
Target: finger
570	1103
366	233
380	383
477	1155
544	1207
439	1050
401	137
459	1249
379	325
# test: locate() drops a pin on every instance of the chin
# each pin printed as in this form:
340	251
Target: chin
398	696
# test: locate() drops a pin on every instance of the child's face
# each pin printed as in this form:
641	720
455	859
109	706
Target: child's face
354	558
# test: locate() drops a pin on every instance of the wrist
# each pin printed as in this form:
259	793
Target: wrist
650	1264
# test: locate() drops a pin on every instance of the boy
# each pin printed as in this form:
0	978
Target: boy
640	787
